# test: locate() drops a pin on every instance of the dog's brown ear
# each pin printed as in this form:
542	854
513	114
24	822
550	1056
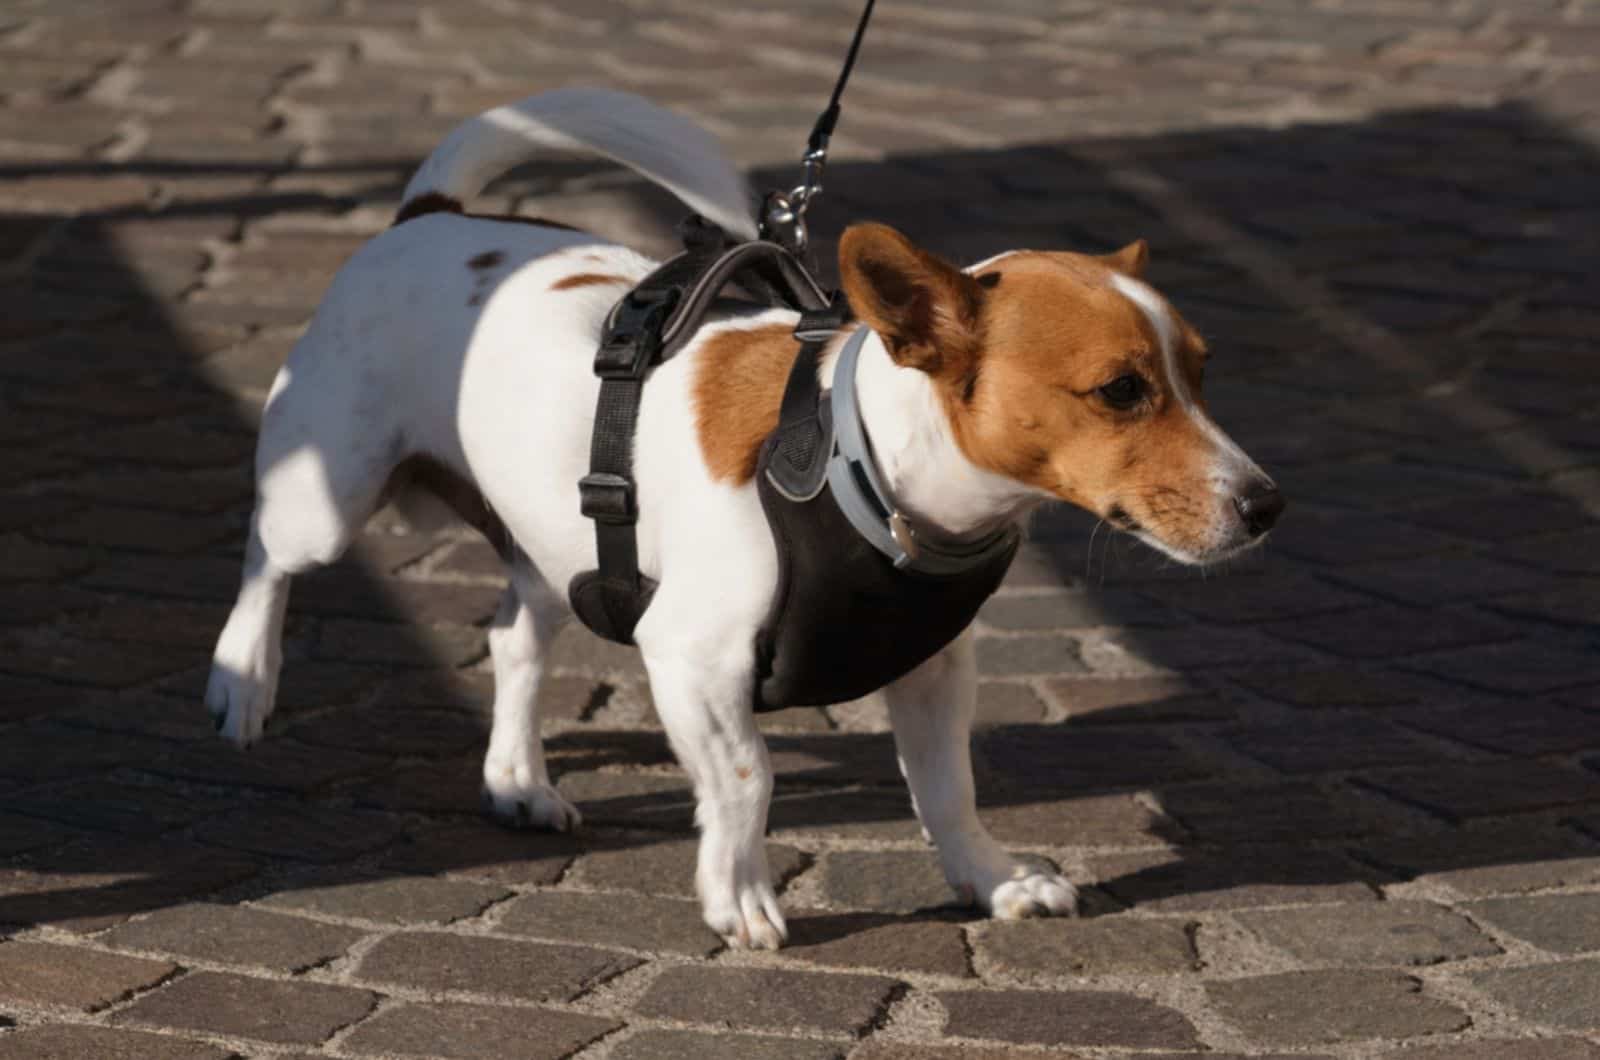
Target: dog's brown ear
924	308
1130	260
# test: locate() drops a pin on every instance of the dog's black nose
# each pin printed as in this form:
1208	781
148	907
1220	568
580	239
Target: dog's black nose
1259	507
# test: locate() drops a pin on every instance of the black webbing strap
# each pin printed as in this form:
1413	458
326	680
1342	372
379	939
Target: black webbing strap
649	325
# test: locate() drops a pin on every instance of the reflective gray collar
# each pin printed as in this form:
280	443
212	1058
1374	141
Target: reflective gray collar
859	491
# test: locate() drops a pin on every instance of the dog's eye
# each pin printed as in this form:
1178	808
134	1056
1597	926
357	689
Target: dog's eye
1123	392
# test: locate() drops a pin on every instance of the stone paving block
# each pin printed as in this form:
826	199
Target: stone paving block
1501	1049
859	813
643	800
666	868
1317	745
1521	667
302	833
885	1050
484	851
105	805
1088	821
1511	727
1386	632
38	973
1056	948
90	885
1008	703
1489	857
1564	995
472	1032
1241	877
1042	760
1312	686
229	934
19	834
766	999
529	970
1260	813
1083	1018
67	1042
1029	654
1308	1008
1463	790
692	1045
1137	700
877	943
1388	933
274	764
885	881
391	899
666	925
387	730
236	1006
1560	923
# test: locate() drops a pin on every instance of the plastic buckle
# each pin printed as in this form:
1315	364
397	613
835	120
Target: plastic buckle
819	325
633	335
607	498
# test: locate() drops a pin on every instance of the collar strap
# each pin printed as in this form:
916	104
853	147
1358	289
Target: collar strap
859	490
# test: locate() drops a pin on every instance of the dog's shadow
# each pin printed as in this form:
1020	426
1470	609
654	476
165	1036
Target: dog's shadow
1402	686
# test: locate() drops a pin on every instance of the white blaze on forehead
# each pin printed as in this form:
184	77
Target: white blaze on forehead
986	262
1156	310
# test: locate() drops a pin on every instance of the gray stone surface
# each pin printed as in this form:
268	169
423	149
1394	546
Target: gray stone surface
1102	946
1310	1008
1090	1018
1563	995
236	1006
770	1000
233	935
1388	933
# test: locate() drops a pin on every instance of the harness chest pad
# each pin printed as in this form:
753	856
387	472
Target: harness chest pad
844	621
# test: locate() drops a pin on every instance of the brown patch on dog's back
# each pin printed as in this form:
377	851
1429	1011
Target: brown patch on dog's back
738	386
487	260
585	279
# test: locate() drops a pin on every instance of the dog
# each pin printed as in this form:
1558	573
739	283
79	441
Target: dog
453	354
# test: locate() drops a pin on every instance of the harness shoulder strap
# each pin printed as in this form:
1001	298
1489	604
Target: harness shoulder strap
646	327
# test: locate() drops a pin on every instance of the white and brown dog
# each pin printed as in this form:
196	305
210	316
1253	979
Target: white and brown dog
468	341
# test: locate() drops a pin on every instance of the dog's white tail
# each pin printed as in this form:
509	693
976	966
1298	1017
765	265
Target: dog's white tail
667	148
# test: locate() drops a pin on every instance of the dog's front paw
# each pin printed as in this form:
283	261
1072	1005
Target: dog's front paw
747	916
1028	890
240	699
515	799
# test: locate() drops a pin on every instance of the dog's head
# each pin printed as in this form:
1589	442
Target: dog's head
1067	373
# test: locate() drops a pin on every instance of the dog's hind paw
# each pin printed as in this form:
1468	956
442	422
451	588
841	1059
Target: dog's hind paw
527	804
240	703
1030	892
748	919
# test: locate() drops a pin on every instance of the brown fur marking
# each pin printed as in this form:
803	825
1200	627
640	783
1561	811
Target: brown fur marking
585	279
738	386
435	202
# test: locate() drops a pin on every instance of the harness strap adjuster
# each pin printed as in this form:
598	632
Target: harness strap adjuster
633	335
608	498
820	325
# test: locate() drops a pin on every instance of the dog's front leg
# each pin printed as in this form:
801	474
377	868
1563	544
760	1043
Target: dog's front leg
931	710
702	692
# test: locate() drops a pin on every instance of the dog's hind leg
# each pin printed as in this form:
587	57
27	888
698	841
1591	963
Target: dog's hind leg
317	481
931	710
516	784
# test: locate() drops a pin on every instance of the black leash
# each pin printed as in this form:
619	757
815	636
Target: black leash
783	216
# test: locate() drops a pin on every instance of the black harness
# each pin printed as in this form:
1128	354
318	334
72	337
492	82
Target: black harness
851	612
860	600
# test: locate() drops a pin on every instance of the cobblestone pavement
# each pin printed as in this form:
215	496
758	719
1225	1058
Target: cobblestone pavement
1341	801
